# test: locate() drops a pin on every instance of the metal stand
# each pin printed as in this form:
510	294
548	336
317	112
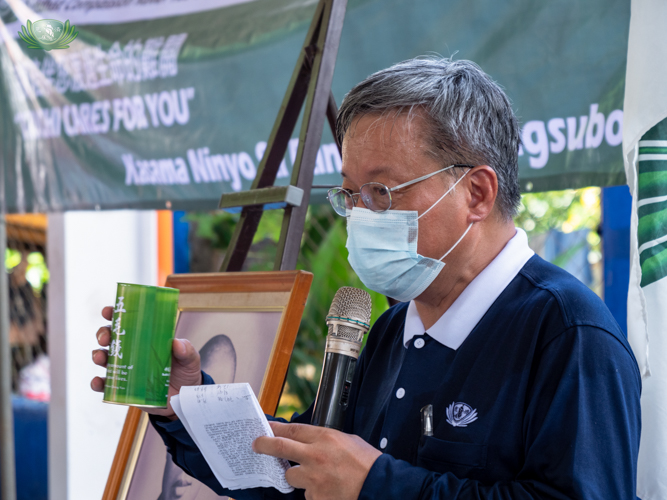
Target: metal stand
311	82
7	464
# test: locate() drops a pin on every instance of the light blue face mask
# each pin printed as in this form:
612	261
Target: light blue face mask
383	251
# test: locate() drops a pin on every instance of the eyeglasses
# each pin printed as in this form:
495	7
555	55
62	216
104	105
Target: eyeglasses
375	195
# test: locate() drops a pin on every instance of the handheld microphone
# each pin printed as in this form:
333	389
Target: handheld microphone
348	320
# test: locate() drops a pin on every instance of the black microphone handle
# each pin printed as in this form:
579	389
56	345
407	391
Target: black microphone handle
334	390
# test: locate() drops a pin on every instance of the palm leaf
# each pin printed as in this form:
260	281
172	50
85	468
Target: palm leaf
28	38
64	44
65	34
32	34
27	34
70	37
69	30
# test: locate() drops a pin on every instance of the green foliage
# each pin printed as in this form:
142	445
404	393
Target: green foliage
216	227
36	273
12	258
567	211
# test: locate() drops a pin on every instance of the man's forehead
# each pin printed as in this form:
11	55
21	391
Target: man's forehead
387	146
391	128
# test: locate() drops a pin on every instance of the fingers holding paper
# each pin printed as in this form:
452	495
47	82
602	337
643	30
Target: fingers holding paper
332	464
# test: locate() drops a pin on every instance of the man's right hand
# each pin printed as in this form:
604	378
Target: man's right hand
185	366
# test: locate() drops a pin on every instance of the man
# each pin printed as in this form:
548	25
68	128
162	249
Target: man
533	388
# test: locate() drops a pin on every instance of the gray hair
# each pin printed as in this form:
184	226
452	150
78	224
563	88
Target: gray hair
469	118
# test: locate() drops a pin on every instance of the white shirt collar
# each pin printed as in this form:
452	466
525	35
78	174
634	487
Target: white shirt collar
458	321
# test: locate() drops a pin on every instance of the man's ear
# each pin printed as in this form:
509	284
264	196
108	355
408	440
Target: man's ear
483	185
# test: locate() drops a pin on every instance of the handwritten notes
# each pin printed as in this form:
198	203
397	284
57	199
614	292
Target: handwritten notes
223	420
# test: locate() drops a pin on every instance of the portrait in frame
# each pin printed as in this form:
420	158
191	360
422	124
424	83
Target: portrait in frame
244	326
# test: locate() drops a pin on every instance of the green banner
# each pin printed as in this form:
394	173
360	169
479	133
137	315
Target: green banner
652	204
168	103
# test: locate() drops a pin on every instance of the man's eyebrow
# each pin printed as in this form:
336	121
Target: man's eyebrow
377	170
374	172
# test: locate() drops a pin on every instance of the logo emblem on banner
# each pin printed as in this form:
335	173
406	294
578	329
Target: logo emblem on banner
48	34
460	414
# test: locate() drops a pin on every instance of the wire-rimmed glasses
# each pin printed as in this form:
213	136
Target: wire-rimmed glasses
375	195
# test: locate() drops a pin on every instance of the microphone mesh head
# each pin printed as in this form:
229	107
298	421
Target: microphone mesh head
354	305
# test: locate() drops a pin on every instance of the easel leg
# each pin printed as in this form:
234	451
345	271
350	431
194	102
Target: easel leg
318	103
311	81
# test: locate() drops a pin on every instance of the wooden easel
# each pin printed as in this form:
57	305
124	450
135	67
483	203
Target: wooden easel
311	82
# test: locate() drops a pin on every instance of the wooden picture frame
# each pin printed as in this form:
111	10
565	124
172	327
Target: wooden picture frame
264	301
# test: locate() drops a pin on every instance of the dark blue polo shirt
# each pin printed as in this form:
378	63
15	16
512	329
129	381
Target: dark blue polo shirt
540	401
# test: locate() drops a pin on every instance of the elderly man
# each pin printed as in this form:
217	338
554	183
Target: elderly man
533	389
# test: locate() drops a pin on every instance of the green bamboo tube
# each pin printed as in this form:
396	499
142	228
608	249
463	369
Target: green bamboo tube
142	333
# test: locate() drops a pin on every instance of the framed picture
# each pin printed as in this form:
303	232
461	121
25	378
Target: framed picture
244	326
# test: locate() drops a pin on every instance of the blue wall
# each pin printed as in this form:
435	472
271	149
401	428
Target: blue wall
181	246
616	209
31	448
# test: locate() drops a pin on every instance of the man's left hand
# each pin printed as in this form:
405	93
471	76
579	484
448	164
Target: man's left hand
332	464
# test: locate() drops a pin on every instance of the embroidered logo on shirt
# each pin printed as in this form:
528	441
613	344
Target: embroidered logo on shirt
460	414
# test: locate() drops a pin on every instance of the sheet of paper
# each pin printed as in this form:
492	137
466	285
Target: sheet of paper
224	420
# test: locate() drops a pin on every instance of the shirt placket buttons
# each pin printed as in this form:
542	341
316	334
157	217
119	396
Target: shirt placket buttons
419	343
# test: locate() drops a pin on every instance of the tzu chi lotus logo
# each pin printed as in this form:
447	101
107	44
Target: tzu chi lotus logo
48	34
460	414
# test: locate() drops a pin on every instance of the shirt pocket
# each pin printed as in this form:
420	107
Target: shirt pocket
438	455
